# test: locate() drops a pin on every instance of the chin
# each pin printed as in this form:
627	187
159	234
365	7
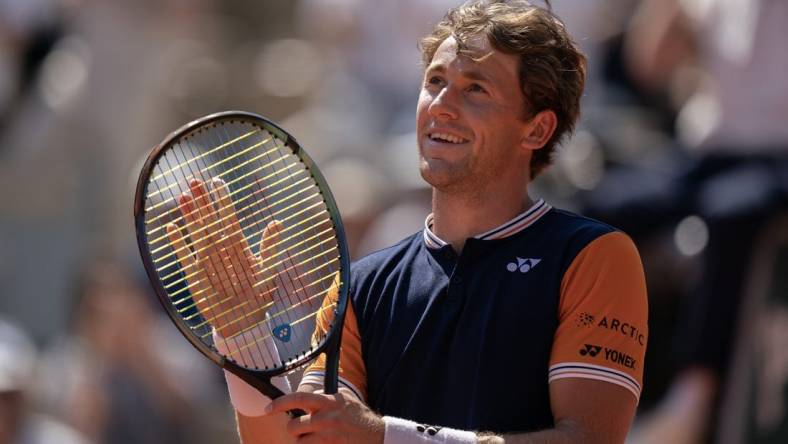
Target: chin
432	177
441	179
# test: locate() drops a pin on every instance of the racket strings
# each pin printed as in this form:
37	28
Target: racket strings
244	314
268	257
256	284
174	210
268	357
314	269
293	279
178	167
267	305
331	265
219	210
270	317
237	231
266	250
212	210
258	341
226	172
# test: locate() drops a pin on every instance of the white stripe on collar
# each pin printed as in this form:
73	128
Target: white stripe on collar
515	225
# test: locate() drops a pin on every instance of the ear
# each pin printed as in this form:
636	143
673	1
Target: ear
539	130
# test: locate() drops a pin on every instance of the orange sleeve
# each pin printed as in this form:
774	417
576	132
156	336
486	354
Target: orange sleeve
352	373
603	315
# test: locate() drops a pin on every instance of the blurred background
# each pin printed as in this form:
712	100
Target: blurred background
682	143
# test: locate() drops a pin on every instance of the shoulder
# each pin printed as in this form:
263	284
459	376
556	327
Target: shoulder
573	233
575	226
602	258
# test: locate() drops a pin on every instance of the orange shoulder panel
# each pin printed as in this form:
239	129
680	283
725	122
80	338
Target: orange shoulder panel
603	315
351	365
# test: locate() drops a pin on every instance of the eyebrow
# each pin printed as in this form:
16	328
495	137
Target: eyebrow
470	74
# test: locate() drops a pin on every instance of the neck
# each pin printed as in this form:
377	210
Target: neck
458	217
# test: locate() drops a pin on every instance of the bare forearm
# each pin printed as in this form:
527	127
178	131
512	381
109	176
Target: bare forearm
561	434
262	429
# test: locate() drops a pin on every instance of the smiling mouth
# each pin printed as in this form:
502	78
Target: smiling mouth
446	138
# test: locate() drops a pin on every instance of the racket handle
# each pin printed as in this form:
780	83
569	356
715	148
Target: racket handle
296	413
331	376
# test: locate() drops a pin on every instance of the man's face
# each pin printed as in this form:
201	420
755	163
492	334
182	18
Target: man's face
469	118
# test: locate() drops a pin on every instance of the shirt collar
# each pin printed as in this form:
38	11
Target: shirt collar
513	226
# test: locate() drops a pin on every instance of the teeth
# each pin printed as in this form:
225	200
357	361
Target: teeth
446	138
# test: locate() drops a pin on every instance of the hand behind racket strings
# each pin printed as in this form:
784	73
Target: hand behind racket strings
225	276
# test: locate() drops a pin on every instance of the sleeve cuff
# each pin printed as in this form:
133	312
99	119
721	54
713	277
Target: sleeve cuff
597	372
317	378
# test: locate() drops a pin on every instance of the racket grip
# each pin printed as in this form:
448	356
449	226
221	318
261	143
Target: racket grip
331	375
296	413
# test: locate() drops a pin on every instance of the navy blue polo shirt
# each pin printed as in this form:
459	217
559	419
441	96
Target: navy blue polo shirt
471	341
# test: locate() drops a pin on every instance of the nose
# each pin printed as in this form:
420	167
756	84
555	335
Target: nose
444	104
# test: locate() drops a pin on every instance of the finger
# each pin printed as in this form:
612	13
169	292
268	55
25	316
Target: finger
227	214
178	244
195	276
300	426
235	268
214	297
194	225
184	254
226	301
207	266
205	207
325	422
269	243
309	402
208	248
268	261
234	242
193	221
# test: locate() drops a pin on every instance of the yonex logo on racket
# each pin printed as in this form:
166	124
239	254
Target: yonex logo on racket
282	332
524	265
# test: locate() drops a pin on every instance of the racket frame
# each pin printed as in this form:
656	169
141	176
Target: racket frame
261	378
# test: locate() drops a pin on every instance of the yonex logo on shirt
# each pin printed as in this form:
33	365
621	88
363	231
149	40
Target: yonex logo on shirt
590	349
611	355
524	265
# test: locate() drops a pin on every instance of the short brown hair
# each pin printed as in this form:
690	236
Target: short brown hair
552	68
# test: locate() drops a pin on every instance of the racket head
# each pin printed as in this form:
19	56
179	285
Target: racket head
257	160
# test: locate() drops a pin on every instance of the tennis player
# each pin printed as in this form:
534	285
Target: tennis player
504	320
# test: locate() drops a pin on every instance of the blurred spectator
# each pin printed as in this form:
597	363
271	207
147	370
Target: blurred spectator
722	64
121	376
18	423
28	28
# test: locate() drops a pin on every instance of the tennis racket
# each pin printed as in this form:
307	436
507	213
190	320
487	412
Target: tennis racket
242	241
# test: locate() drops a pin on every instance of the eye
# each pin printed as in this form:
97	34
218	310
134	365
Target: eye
434	80
475	87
